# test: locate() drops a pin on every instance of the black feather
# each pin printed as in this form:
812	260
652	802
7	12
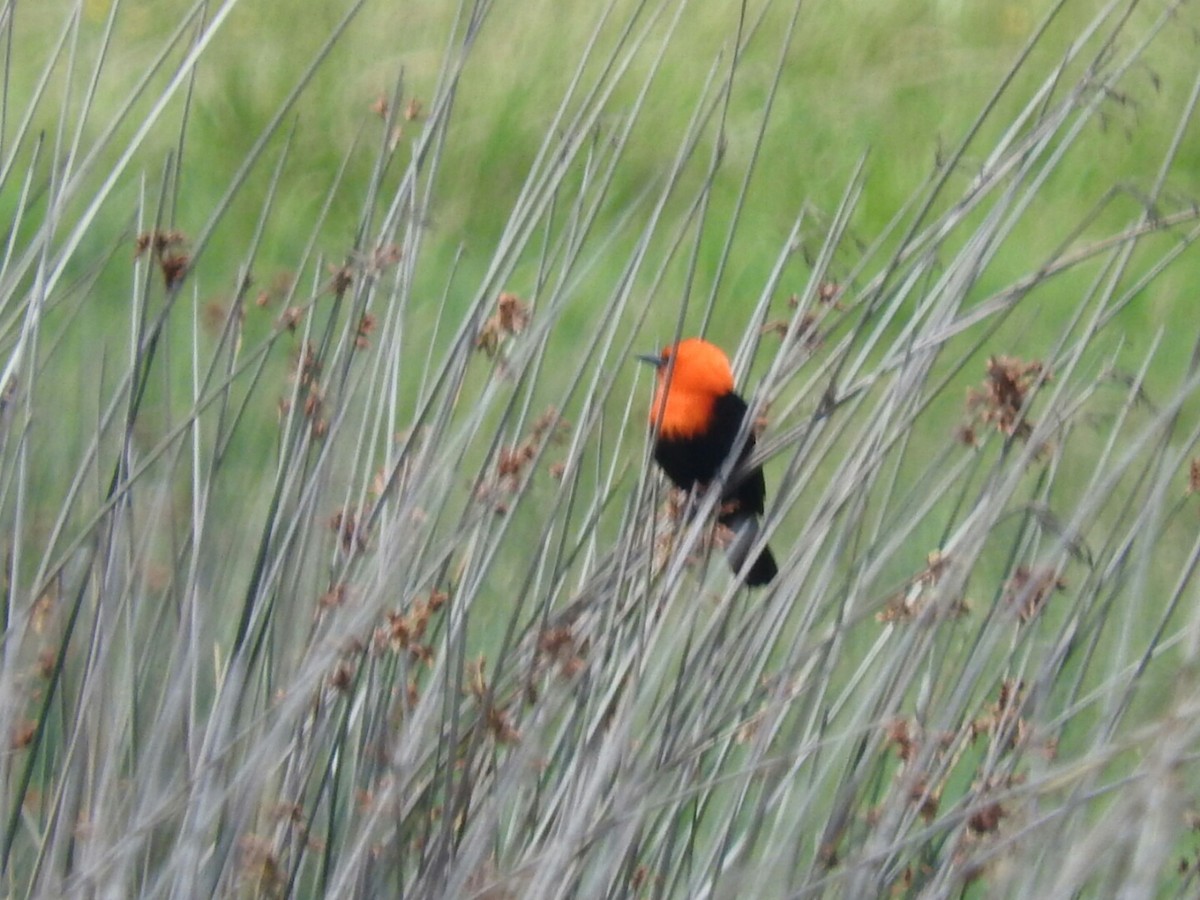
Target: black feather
696	460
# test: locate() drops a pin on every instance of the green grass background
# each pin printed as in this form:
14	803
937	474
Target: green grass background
895	83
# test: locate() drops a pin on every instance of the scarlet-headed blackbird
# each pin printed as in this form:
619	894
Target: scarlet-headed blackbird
701	417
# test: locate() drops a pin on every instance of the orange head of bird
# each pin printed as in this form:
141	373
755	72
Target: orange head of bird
688	388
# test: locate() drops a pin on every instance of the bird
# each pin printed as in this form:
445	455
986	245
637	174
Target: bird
699	417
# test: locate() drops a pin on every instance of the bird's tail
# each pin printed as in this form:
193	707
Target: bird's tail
745	531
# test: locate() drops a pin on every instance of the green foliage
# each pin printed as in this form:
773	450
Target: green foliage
333	565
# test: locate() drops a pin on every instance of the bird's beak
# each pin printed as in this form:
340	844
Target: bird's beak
657	361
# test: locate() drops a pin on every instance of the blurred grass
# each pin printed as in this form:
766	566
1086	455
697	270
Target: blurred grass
896	83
